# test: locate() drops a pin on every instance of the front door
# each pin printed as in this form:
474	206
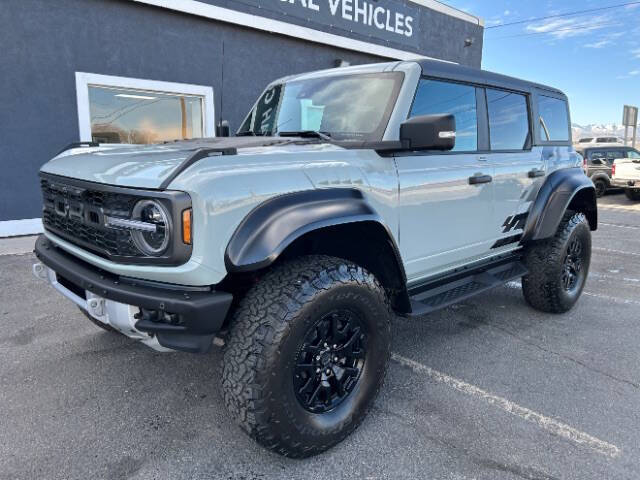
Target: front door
446	199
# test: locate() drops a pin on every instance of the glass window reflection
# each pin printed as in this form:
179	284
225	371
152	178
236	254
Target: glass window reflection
121	115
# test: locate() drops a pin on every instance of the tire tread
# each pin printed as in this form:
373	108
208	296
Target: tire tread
261	322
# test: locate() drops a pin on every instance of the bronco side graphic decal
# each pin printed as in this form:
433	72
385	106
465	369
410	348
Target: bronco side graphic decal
516	222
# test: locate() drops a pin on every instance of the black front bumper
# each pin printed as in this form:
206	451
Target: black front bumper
180	318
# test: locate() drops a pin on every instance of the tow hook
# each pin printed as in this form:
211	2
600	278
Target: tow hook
96	307
39	271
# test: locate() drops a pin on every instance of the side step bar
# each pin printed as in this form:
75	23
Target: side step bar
444	292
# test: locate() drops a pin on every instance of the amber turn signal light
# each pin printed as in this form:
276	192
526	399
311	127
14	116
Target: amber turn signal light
187	218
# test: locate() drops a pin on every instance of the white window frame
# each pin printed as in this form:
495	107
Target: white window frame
84	80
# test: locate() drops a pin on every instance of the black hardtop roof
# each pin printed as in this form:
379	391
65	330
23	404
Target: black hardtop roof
453	71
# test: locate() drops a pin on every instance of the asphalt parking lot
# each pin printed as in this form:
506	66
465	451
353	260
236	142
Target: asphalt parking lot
487	389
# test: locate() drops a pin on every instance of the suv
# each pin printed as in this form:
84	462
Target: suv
598	162
599	142
346	196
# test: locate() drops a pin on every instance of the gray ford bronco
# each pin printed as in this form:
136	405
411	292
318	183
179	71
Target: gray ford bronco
346	197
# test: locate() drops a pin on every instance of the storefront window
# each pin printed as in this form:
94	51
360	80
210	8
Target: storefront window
121	115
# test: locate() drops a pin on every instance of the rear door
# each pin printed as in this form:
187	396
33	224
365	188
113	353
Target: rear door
599	161
517	166
446	198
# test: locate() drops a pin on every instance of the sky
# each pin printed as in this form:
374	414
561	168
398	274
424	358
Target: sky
594	58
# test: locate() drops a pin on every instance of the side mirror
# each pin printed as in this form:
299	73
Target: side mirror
429	132
222	129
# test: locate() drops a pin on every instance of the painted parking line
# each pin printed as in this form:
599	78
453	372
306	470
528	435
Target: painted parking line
627	301
549	424
633	281
628	208
628	227
619	252
609	298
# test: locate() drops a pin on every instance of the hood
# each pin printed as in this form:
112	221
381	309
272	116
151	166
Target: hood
149	166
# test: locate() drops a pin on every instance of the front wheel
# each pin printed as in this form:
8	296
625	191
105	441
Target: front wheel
559	266
307	354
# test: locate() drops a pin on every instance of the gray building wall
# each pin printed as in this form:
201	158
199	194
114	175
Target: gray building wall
44	43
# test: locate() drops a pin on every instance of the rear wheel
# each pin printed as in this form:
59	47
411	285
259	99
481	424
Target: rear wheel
632	194
307	354
559	266
601	187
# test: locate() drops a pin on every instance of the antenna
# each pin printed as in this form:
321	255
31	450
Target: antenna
220	117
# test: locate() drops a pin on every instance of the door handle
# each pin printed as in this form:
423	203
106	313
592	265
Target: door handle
479	179
535	173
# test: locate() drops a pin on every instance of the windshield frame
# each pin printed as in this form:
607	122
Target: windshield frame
373	136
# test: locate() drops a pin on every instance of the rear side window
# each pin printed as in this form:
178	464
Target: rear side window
607	155
435	97
554	119
508	120
585	140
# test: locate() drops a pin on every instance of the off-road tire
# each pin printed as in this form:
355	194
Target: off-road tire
267	335
97	323
632	194
601	187
543	286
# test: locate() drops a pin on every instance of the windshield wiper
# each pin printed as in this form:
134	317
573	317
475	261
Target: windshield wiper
307	133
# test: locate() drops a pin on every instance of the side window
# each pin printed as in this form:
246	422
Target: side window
633	154
508	120
554	119
614	154
435	97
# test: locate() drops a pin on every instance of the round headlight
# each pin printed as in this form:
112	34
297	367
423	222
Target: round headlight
152	243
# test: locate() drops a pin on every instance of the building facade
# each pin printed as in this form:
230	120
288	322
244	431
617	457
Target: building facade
144	71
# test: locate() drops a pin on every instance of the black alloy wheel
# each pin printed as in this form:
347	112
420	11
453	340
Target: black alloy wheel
330	361
573	262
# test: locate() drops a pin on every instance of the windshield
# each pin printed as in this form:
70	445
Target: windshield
349	107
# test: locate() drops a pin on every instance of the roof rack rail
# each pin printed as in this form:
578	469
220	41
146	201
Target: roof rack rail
196	156
78	144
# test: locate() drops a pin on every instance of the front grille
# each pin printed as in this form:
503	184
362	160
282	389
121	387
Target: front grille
76	214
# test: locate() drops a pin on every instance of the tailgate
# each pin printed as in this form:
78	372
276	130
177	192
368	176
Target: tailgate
627	169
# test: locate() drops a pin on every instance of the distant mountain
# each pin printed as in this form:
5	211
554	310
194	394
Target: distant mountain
599	130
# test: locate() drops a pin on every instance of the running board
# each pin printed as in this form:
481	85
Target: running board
442	293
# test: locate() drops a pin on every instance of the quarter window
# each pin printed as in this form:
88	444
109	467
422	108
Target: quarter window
508	120
434	97
554	119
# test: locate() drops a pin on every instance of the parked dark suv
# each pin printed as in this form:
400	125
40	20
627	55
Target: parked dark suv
598	162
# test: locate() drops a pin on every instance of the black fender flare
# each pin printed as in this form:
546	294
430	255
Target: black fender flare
276	223
557	193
